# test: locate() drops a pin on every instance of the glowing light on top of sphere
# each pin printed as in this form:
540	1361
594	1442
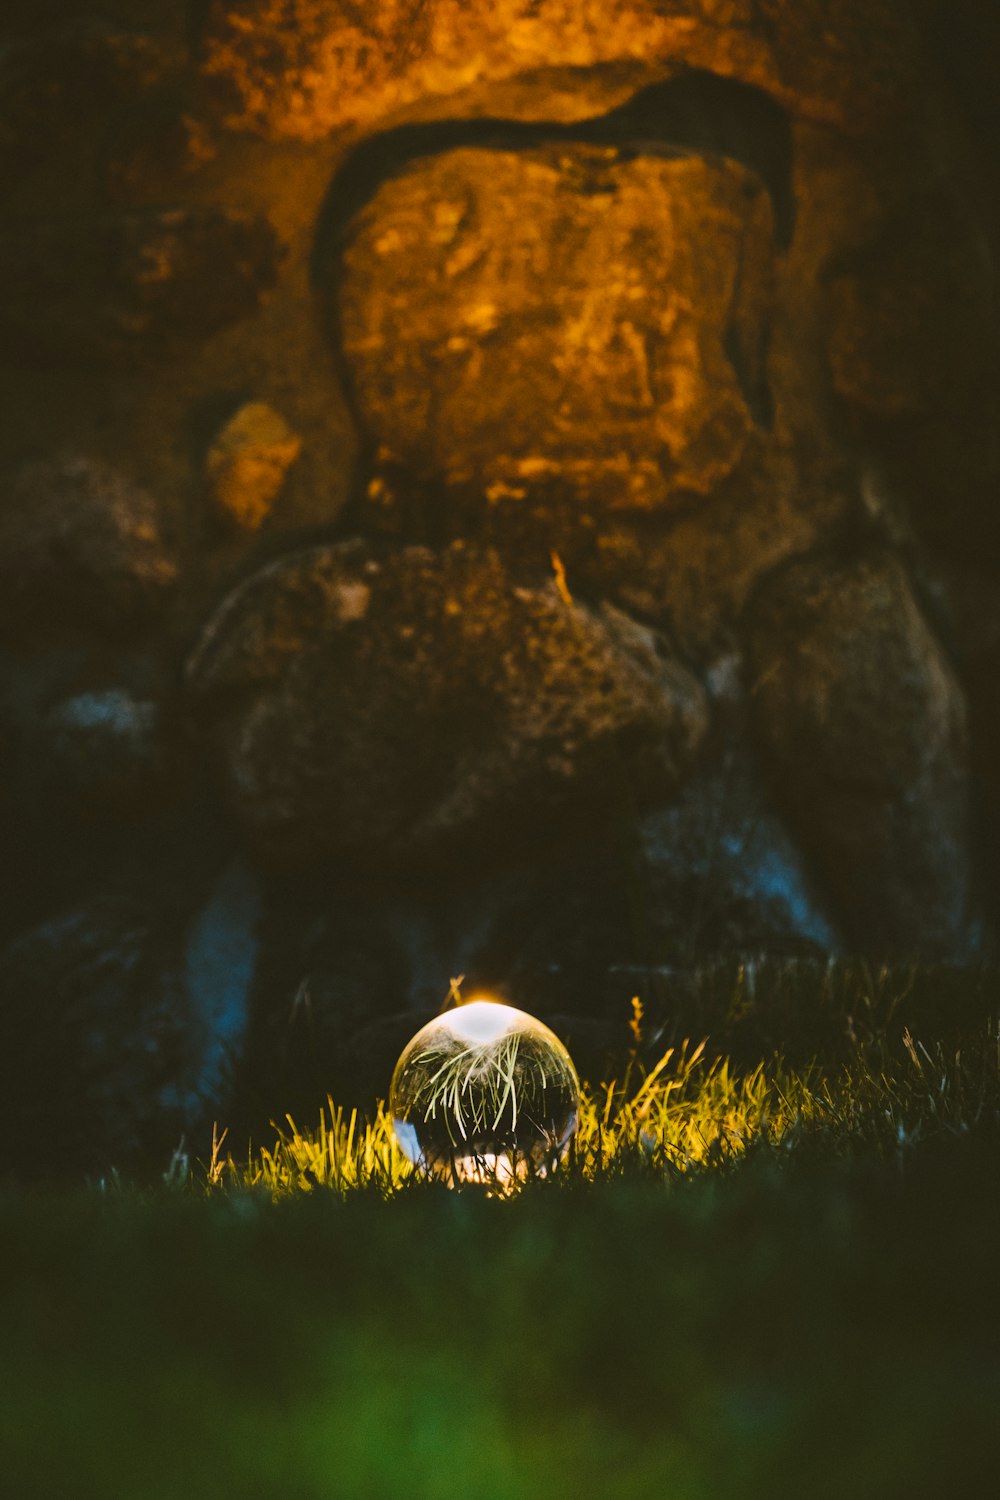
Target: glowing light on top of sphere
484	1093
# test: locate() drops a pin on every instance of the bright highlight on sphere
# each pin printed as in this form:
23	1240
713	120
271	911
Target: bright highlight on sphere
484	1093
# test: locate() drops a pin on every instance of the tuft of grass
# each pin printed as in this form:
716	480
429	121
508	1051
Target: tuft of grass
687	1114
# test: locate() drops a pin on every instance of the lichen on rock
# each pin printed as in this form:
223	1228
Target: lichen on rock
392	708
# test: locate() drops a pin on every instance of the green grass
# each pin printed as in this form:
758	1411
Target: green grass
787	1327
764	1280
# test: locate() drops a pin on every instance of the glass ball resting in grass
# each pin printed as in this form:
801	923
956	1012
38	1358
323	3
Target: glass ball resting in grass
484	1093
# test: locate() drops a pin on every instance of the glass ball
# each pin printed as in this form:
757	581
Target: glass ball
484	1093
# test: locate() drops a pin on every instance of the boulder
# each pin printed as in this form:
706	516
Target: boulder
863	725
911	342
911	313
80	545
722	874
122	1018
353	964
94	763
247	463
968	601
560	325
162	139
63	77
98	754
621	906
305	69
387	709
690	573
131	285
336	960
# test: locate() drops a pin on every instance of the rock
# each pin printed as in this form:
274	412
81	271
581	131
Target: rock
334	963
617	908
691	573
63	77
98	754
885	301
122	1017
387	709
910	314
721	873
352	965
302	70
863	725
247	463
220	955
613	910
95	764
621	908
944	468
80	545
81	1067
131	285
161	141
530	326
968	602
911	344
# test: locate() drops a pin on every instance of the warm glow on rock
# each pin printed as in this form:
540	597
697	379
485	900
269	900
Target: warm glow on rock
300	69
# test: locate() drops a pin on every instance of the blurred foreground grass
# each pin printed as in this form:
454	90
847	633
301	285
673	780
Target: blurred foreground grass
765	1280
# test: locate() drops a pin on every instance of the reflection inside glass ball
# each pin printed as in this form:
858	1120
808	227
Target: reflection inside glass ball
484	1093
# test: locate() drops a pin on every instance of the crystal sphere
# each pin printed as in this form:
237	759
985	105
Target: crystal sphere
484	1093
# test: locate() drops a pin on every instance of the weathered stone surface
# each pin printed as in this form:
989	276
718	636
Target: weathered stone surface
864	726
556	322
80	545
122	1017
302	70
386	708
247	463
132	284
